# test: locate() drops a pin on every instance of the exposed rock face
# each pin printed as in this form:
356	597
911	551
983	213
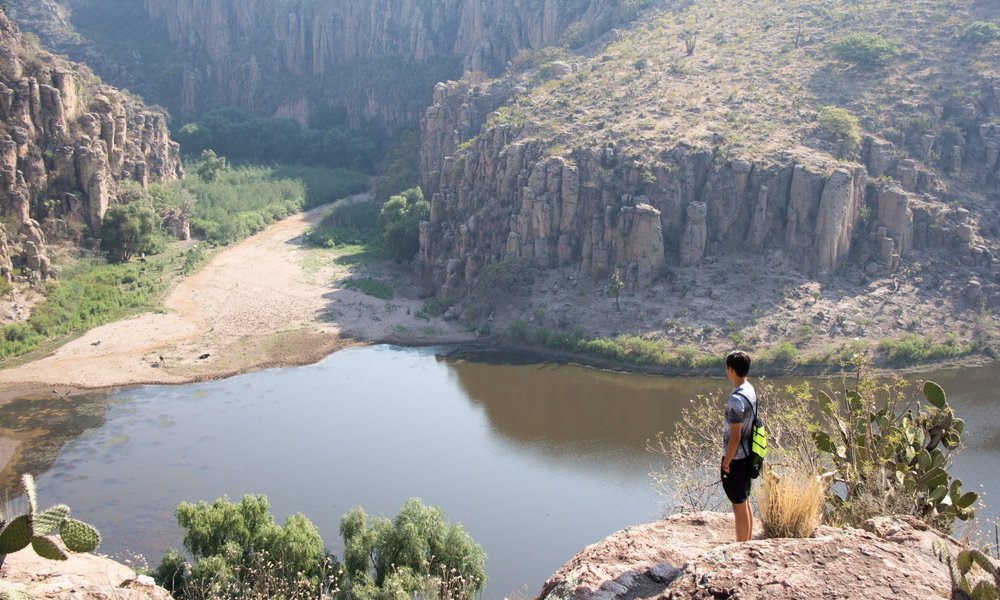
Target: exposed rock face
691	556
597	209
61	154
264	55
82	576
498	193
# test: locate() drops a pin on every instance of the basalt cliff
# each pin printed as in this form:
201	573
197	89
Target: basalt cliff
66	140
695	170
376	61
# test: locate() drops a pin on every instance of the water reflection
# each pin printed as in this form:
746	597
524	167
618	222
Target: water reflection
34	429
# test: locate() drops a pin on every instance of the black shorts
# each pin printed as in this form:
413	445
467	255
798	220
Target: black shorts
737	481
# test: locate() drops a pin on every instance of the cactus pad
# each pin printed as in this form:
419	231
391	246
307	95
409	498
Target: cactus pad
31	492
16	535
46	548
50	520
79	536
934	394
16	595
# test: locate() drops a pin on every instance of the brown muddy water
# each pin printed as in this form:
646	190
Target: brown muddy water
536	460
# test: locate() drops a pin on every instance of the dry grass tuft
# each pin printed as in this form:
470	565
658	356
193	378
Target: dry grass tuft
790	506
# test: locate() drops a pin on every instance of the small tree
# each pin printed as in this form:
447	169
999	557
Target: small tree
129	230
211	166
615	287
402	555
399	221
238	547
641	65
690	39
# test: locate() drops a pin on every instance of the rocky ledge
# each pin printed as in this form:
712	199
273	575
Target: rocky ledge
83	576
692	556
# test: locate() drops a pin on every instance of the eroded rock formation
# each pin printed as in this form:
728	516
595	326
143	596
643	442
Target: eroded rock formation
499	192
65	142
378	59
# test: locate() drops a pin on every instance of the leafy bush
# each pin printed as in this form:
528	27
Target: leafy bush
416	550
130	230
782	354
914	348
866	50
980	32
841	127
790	506
239	547
399	221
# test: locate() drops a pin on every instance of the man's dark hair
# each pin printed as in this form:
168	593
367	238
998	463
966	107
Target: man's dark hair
739	362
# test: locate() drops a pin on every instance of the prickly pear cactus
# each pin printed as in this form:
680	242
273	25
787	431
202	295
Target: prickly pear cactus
16	595
39	530
961	567
16	535
79	536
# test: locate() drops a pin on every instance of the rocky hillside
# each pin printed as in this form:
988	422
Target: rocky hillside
65	141
723	146
376	61
690	556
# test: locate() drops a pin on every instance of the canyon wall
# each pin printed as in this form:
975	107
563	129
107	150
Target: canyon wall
65	142
376	59
499	192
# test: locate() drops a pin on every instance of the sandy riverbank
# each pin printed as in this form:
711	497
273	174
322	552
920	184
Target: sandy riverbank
270	300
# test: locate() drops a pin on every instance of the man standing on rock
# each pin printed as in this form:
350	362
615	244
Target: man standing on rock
736	442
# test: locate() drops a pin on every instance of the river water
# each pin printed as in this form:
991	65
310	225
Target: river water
536	460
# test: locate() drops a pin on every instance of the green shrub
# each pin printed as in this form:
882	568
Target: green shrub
913	348
866	50
782	354
238	547
399	221
518	331
418	549
980	32
840	126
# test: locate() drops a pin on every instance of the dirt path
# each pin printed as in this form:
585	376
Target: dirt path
267	301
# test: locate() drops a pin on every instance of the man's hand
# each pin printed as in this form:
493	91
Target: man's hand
725	465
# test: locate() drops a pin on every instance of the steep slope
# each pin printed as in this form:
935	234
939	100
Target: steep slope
65	141
372	61
659	164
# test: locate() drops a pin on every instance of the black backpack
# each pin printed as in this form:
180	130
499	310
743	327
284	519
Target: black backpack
758	440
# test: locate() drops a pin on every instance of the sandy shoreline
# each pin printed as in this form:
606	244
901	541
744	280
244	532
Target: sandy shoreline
270	300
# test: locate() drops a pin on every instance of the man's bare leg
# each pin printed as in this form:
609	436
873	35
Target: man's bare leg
744	521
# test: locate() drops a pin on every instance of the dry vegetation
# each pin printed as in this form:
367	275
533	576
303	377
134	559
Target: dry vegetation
761	71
